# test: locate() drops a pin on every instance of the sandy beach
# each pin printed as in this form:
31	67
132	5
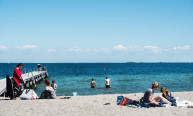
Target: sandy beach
90	106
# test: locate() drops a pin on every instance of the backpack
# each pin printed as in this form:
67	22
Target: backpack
28	94
123	101
119	99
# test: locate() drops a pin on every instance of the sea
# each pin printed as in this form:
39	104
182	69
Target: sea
125	77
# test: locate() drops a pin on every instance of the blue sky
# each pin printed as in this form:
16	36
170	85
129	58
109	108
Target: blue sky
96	30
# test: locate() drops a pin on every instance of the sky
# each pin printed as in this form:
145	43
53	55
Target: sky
72	31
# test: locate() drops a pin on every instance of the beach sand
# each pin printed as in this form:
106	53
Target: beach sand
90	106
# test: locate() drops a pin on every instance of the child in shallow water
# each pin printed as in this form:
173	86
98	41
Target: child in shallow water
54	85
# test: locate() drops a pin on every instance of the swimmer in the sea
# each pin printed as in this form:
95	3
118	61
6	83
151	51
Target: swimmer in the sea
107	82
92	84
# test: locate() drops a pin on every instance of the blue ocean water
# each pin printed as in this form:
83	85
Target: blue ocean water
125	77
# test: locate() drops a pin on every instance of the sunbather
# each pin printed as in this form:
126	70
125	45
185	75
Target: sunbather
149	98
49	92
166	94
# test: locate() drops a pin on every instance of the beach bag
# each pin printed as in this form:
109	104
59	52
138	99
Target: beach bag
123	101
28	94
119	99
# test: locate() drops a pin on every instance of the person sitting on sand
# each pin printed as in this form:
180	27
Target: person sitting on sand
107	82
149	98
166	94
49	92
92	84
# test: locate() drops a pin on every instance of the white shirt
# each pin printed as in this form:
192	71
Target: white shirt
54	86
107	82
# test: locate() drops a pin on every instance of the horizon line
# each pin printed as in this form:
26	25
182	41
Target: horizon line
87	62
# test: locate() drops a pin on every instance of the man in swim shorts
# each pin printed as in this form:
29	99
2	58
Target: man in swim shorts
107	82
92	84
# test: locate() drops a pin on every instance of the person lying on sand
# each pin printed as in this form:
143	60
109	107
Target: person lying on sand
92	84
149	98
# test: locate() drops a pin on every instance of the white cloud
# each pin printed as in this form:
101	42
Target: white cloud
187	47
129	49
153	49
85	50
120	47
101	50
51	50
29	47
117	53
79	50
135	48
2	48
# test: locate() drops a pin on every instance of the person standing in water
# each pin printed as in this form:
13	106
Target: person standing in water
92	84
54	86
107	82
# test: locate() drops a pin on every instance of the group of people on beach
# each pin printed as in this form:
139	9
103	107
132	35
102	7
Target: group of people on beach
107	83
50	89
149	94
152	100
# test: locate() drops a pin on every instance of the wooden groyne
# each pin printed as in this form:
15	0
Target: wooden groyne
30	80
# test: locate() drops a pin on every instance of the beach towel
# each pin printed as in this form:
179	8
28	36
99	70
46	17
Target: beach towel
124	101
183	103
